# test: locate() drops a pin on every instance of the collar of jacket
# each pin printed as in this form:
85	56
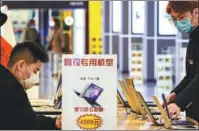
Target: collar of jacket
195	34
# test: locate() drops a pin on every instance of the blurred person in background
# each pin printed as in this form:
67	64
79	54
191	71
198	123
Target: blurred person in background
21	73
185	97
56	40
30	33
56	44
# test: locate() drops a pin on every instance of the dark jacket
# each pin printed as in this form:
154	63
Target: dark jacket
188	89
15	109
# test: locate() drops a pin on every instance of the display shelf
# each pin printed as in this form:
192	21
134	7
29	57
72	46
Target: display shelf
137	63
164	71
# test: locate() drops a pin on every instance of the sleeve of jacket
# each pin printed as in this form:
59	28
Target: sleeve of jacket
188	95
180	86
46	123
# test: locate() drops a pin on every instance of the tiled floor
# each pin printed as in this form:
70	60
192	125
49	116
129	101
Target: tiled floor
48	85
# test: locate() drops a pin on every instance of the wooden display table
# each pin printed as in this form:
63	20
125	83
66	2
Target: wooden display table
133	121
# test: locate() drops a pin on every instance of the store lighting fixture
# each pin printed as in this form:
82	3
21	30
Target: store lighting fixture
69	20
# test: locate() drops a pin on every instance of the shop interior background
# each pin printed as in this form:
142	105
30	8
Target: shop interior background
149	49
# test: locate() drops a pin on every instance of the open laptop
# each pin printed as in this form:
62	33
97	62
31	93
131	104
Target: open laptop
173	124
153	111
131	100
154	117
133	94
55	102
121	100
129	82
91	94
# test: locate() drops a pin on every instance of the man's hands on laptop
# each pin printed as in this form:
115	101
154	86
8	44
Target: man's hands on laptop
170	97
174	110
58	122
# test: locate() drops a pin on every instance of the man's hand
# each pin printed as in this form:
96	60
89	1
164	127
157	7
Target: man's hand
174	109
170	97
58	122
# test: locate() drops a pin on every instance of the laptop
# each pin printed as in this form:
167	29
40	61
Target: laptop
129	82
55	102
91	94
131	100
154	117
173	124
121	100
133	94
153	111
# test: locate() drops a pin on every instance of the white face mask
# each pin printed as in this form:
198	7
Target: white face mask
31	81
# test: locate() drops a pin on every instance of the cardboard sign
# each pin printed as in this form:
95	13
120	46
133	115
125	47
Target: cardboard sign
89	92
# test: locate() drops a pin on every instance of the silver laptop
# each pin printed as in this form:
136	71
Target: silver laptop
55	102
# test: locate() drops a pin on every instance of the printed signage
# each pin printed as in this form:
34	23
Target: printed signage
89	92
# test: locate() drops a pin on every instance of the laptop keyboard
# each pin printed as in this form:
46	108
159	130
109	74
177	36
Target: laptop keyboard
45	109
181	122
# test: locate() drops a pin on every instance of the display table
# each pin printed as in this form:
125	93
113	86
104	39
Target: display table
133	121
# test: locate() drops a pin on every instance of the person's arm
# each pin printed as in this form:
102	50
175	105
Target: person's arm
187	96
180	86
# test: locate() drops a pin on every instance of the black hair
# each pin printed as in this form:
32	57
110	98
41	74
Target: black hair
57	22
31	22
28	51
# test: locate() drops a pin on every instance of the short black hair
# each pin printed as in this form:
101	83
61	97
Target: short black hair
57	22
28	51
182	6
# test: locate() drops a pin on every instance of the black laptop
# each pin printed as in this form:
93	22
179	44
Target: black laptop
91	94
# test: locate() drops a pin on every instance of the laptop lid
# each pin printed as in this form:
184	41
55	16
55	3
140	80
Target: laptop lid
121	100
133	94
146	108
130	101
165	118
165	105
58	94
93	92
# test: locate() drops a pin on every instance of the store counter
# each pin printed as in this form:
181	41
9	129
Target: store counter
132	121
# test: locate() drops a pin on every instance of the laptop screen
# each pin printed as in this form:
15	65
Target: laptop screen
59	83
93	92
165	105
58	94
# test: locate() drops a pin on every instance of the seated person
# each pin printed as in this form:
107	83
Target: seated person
21	74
